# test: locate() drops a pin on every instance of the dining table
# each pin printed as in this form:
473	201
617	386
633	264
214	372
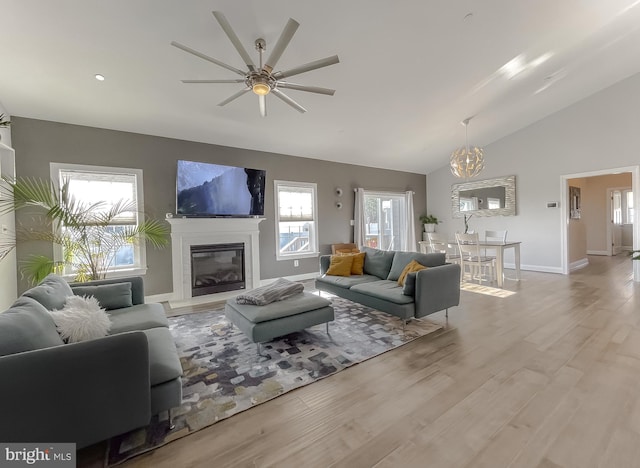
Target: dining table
499	246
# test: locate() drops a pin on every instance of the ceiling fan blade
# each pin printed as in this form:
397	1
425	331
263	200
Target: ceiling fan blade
213	81
288	100
235	96
206	57
283	41
309	89
234	39
263	105
325	62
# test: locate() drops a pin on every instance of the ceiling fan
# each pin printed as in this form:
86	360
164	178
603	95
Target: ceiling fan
262	80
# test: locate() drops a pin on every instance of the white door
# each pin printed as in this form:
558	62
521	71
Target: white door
621	219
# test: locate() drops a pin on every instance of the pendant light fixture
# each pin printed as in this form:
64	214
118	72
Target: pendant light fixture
467	162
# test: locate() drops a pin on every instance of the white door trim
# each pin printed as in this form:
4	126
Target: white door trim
564	212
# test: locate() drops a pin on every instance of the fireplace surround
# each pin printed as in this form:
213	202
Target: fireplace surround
192	232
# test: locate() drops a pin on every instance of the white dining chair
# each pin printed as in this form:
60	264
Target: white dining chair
479	266
439	243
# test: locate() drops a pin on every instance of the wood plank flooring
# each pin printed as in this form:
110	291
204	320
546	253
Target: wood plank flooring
547	377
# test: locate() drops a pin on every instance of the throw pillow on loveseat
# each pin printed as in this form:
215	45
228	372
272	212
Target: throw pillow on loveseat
426	291
88	391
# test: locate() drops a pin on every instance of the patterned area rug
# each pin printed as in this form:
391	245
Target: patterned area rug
224	375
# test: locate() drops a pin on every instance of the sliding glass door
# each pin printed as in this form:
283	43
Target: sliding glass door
385	221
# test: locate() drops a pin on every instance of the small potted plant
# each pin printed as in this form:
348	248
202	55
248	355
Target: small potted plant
429	222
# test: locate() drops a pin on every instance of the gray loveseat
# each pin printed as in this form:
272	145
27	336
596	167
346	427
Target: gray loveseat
425	292
92	390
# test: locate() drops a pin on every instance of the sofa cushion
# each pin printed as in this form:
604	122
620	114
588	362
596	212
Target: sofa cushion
110	296
294	305
52	292
385	290
412	267
402	259
137	317
347	282
164	364
340	265
26	326
377	262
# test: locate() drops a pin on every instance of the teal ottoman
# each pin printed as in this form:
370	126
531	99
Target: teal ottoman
264	323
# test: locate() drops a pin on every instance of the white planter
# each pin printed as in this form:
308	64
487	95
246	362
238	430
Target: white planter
429	227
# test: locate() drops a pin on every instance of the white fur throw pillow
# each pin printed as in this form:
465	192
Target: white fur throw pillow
81	319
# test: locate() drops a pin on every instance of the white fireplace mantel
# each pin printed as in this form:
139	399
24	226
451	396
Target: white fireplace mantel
186	232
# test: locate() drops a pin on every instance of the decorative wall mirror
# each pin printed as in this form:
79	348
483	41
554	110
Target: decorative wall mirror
491	197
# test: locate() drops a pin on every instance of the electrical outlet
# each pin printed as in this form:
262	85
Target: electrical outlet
296	263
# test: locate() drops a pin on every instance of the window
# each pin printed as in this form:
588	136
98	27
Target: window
109	186
629	210
622	206
296	220
385	221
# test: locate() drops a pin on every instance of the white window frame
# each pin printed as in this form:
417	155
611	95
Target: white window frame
313	236
401	214
140	251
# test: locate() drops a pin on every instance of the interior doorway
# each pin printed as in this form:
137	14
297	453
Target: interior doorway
568	224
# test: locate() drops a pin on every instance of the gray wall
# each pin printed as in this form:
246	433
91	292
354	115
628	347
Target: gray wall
39	142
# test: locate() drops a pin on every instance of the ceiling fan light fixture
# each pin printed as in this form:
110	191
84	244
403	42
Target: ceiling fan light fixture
261	89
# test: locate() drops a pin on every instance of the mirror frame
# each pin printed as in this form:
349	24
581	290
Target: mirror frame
509	183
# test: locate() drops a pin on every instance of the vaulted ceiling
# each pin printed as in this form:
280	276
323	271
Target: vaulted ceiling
409	71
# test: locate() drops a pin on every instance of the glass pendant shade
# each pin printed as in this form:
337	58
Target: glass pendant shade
467	162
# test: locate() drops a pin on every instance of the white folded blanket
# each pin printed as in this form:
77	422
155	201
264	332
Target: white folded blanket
279	290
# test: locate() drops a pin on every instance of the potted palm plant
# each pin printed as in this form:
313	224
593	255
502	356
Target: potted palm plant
429	222
84	230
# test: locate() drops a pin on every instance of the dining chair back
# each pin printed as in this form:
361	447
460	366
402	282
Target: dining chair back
439	243
471	258
500	236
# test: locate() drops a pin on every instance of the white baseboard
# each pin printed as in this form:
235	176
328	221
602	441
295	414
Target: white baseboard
301	277
164	297
597	252
583	262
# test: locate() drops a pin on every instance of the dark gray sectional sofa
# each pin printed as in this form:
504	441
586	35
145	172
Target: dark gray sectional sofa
92	390
425	292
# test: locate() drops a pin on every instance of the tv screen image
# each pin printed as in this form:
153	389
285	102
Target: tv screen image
205	189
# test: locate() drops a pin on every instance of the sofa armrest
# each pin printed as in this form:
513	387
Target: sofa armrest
325	261
437	288
81	392
137	286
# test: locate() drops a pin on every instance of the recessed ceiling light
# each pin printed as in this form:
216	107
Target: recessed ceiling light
99	77
468	17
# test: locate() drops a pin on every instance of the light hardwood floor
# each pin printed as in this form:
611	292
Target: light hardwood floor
547	377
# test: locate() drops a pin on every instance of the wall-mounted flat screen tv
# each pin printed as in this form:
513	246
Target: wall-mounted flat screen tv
205	189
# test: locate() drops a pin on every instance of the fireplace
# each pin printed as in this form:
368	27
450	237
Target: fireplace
217	268
191	232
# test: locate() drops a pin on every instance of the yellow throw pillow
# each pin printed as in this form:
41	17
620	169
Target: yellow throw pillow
340	265
410	268
357	267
